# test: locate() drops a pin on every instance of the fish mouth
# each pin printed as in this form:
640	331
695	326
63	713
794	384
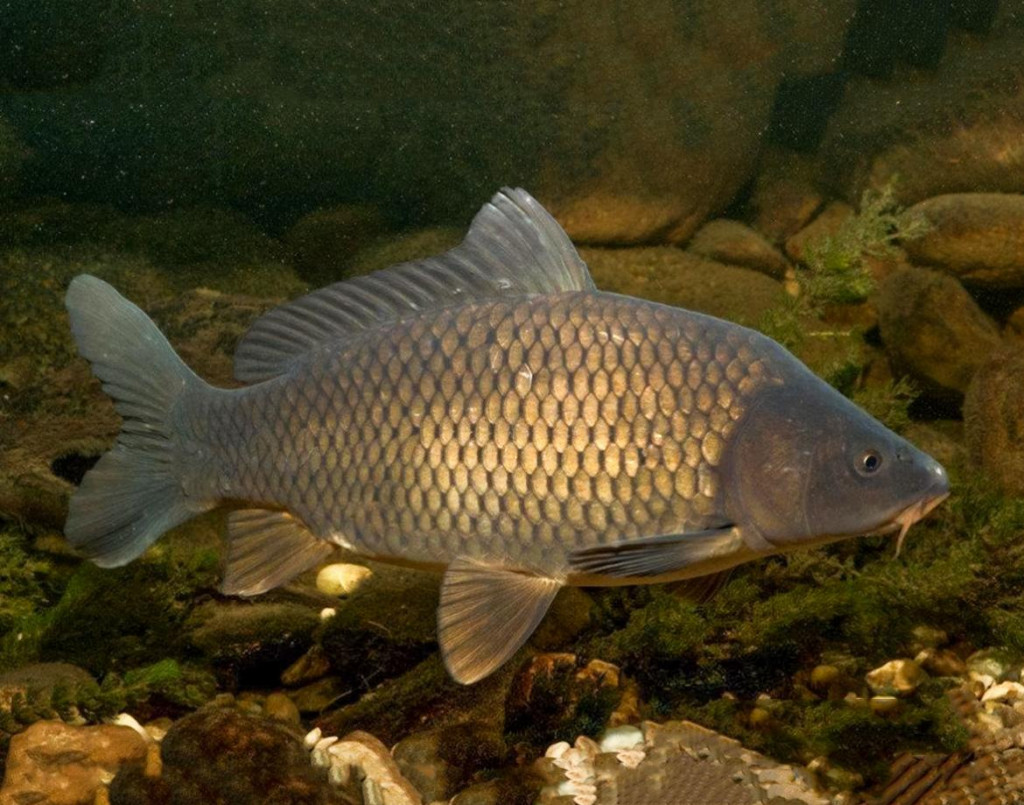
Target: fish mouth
910	515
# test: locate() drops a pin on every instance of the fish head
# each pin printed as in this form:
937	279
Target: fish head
806	466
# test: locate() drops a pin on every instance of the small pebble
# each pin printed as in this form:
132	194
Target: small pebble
896	676
759	718
619	738
941	662
884	705
327	613
312	738
341	579
280	706
1004	692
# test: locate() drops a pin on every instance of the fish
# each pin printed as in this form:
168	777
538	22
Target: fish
490	414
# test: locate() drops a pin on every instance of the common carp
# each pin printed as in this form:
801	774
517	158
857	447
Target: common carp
489	413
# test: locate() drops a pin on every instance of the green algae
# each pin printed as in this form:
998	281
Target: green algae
113	619
29	581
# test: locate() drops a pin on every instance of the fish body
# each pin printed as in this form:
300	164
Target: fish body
487	412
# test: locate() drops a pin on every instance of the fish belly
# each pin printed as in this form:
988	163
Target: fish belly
507	432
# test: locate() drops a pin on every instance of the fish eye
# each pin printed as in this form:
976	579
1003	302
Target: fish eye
869	462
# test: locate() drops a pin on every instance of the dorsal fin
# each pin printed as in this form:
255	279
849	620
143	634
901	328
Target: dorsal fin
513	248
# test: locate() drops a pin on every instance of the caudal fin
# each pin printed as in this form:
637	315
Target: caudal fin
134	493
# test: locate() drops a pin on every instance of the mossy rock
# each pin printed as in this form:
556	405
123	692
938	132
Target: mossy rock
251	642
385	628
118	619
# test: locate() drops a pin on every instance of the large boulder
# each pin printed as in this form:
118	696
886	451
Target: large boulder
956	128
634	125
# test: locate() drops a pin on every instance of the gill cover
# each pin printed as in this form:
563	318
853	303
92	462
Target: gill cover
806	465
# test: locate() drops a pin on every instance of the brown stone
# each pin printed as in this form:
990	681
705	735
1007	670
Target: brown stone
732	242
324	242
994	419
979	237
785	195
933	329
52	763
675	277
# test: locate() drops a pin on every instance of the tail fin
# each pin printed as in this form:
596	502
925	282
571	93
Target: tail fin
134	493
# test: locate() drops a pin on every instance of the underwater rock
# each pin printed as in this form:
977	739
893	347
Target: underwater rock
675	277
994	419
734	243
978	237
320	695
252	641
896	676
441	761
824	225
222	755
405	247
996	663
40	679
322	243
954	129
557	694
989	768
511	789
281	707
53	763
785	196
934	330
309	667
941	662
1004	692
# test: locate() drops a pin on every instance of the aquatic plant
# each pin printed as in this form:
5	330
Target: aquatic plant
835	268
836	265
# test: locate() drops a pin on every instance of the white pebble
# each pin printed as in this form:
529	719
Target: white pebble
325	743
619	738
312	738
557	750
341	579
125	720
631	758
1004	692
327	613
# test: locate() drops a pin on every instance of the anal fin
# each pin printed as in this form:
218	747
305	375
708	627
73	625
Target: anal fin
486	614
266	549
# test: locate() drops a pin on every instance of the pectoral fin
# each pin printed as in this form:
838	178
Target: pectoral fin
657	556
486	614
267	549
